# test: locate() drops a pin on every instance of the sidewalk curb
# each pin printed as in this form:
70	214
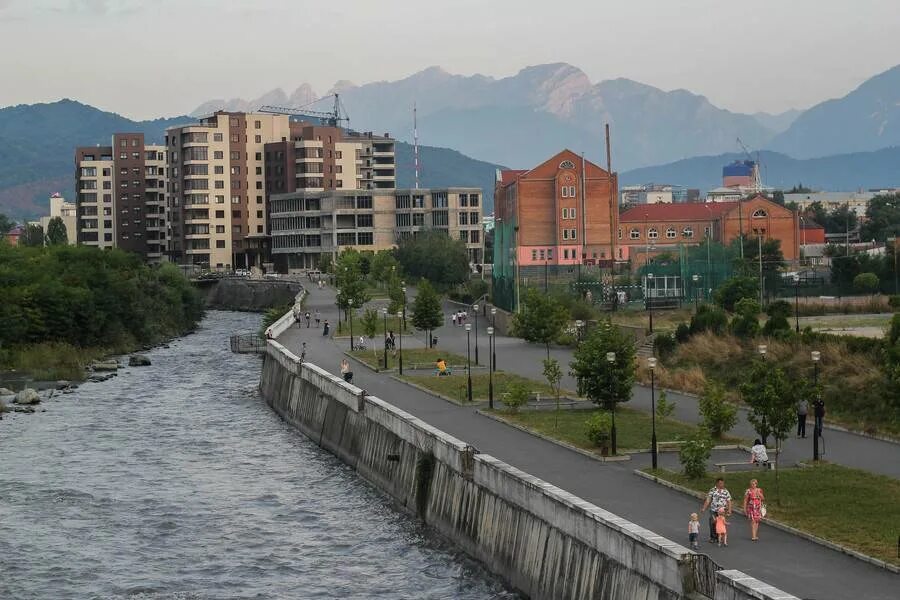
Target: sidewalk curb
779	525
880	438
565	445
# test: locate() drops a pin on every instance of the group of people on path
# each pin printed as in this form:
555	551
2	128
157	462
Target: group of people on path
719	503
803	413
459	317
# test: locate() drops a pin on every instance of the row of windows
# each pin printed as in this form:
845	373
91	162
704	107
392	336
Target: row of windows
570	234
470	236
468	200
568	213
568	191
671	233
362	238
543	253
469	218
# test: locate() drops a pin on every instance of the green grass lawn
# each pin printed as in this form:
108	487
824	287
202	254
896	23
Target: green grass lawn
455	386
849	507
342	328
424	357
633	427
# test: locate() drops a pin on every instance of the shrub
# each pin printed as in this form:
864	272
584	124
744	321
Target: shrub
709	318
516	395
664	344
664	408
736	289
717	415
894	301
682	333
746	323
694	454
599	427
566	339
866	283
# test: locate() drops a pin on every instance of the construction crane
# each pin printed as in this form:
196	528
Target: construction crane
757	181
333	118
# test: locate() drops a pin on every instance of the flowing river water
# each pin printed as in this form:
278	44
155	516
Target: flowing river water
175	481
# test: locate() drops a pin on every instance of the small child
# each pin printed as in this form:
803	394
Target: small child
722	528
694	530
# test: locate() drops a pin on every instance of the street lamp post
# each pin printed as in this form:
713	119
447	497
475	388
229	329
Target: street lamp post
350	312
578	325
762	355
797	301
469	361
649	301
490	332
815	356
400	338
651	363
696	279
475	310
384	313
403	289
494	324
611	358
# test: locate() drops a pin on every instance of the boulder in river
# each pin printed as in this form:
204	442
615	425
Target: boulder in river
27	396
63	384
105	365
138	360
6	392
24	409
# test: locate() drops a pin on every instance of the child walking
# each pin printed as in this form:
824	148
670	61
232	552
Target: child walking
694	530
722	528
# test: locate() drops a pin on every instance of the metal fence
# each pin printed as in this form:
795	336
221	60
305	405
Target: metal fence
247	343
703	574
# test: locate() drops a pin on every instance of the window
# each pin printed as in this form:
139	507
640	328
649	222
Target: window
620	233
565	234
418	219
365	220
218	155
220	214
403	220
573	233
567	164
257	139
235	155
565	191
220	199
259	185
235	137
534	255
339	183
220	243
259	199
259	170
257	124
235	170
463	218
670	233
475	238
473	200
259	214
464	236
220	229
123	156
364	202
136	156
346	239
464	200
218	170
759	213
259	156
571	191
217	137
259	229
652	233
473	218
549	252
235	199
365	238
566	253
220	185
235	229
688	232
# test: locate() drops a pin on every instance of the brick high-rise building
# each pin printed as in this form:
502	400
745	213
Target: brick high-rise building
120	196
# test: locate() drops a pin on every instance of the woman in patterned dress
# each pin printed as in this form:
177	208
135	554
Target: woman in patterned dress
753	502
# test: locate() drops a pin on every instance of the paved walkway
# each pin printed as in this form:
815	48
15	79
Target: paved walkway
790	563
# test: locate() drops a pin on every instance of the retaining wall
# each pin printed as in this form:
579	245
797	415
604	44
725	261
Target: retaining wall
735	585
248	294
544	541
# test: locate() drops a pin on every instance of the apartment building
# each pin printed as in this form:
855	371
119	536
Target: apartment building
120	196
322	158
66	211
216	189
308	224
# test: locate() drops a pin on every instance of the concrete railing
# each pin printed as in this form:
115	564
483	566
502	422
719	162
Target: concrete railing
287	319
735	585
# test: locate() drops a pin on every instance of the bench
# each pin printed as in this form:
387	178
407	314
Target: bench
722	465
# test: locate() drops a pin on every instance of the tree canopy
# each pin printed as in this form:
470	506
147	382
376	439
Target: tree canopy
882	218
603	382
426	310
541	318
56	232
349	279
837	220
435	256
33	236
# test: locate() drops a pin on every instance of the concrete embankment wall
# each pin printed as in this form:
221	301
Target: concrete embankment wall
248	294
544	541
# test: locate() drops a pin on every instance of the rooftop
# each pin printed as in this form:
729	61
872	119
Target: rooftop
691	211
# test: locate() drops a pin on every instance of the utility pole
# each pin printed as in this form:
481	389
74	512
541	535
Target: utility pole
416	143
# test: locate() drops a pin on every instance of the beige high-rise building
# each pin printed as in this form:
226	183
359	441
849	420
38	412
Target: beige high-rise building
216	191
120	196
308	224
66	211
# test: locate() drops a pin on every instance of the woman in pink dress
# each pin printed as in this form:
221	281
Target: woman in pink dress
753	505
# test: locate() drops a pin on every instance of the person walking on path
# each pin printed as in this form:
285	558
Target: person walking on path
802	411
307	319
694	531
819	414
722	528
325	329
346	373
318	318
453	318
717	499
753	507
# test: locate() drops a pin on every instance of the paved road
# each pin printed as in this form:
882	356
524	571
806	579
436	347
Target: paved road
783	560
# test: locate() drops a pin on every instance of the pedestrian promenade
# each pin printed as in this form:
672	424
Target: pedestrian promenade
783	560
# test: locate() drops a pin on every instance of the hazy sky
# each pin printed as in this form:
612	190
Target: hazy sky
163	57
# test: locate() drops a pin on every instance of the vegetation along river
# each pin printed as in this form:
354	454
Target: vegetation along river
175	481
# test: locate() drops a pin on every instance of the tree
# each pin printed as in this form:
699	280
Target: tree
605	384
882	218
778	312
709	318
664	408
5	225
553	375
694	453
33	236
778	197
56	232
370	323
435	256
384	267
717	415
735	289
427	313
325	264
799	189
541	319
349	280
772	398
866	283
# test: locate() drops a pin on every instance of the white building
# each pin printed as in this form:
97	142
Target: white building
857	201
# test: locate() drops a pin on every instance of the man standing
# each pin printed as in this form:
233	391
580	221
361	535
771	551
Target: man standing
802	411
717	498
819	414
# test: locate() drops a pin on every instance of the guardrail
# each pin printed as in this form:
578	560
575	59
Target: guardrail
247	343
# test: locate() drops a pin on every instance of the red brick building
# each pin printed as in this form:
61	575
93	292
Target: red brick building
811	232
561	212
656	228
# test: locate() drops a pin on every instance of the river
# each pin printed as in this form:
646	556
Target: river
175	481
